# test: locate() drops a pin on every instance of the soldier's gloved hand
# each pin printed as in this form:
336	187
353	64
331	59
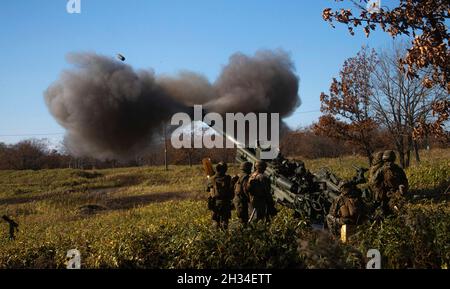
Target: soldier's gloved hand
402	190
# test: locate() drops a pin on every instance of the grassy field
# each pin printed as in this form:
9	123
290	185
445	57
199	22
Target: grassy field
149	218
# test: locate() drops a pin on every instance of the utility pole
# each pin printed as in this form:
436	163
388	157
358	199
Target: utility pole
191	149
165	147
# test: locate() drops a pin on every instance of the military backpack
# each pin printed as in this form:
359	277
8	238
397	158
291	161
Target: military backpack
222	188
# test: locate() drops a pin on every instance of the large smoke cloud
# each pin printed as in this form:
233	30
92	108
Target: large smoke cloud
111	110
263	83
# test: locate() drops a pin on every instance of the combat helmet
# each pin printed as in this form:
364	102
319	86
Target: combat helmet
221	168
378	157
389	156
261	164
246	167
349	188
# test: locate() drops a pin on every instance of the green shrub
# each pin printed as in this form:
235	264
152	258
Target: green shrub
418	238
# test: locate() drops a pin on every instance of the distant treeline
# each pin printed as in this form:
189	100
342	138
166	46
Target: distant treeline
304	143
35	154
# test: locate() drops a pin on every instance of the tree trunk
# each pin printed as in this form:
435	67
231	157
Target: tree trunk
408	158
402	158
416	151
411	146
369	156
401	152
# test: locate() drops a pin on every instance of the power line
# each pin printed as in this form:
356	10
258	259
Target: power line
310	111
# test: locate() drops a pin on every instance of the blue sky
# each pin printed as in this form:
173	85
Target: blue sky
166	35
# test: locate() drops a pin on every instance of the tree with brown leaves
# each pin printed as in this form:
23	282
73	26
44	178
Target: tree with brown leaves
424	20
347	107
437	127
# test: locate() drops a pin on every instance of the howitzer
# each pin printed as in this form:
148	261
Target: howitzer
309	195
310	201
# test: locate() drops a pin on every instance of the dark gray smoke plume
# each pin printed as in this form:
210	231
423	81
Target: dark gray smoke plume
112	111
189	88
263	83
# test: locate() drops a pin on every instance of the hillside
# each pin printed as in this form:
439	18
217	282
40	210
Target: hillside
149	218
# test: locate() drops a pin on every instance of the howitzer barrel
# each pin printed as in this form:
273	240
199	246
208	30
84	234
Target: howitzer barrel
332	187
313	202
285	184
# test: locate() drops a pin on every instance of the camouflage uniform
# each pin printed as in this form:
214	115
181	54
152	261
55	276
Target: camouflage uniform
389	184
259	190
347	209
221	191
395	182
376	176
241	196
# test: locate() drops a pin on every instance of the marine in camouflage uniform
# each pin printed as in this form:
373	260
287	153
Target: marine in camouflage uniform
221	195
395	182
376	177
241	196
262	204
389	184
347	209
